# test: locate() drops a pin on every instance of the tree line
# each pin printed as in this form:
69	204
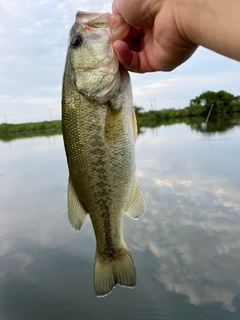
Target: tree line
221	102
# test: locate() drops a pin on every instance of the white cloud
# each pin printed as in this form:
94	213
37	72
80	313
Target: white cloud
33	48
11	7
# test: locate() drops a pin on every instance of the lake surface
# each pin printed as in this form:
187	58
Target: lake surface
186	247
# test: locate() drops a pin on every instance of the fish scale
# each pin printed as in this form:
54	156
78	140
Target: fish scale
99	131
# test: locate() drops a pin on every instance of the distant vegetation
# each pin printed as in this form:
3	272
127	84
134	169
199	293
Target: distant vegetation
224	105
30	127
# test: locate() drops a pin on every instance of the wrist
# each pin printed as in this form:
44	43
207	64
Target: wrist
213	24
187	15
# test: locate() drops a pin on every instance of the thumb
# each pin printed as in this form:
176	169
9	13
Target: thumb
115	7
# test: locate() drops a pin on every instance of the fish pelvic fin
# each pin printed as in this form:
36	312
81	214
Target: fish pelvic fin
137	206
76	213
115	270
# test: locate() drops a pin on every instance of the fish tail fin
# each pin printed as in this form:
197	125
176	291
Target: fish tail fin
110	271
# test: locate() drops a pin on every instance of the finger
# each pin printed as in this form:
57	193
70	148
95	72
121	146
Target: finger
137	13
134	38
132	60
115	7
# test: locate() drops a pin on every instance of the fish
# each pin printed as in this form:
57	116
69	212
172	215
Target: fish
99	132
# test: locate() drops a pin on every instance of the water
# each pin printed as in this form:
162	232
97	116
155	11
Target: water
186	247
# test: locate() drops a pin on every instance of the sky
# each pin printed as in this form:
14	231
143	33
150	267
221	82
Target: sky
33	46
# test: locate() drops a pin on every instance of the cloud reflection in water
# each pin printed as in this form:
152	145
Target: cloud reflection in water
190	229
192	223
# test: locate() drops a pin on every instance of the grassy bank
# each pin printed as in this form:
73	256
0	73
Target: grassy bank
220	103
154	118
216	123
31	127
149	119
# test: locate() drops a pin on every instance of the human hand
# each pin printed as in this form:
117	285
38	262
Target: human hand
154	42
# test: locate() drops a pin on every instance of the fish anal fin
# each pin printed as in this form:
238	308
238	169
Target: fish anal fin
137	205
112	271
76	212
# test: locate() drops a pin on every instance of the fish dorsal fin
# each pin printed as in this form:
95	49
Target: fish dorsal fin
76	212
137	205
134	124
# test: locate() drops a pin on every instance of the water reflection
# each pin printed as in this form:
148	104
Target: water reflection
217	124
197	245
15	136
186	247
193	216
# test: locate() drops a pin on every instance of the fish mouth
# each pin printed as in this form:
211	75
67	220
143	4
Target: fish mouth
99	79
117	26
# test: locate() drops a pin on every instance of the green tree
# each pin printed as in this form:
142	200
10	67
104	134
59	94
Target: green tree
222	101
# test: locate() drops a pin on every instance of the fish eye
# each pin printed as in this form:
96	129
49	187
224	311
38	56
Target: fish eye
76	40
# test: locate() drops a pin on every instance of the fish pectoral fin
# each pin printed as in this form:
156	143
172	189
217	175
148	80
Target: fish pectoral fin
115	103
76	213
137	205
134	124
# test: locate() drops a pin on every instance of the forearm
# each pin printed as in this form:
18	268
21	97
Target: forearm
214	24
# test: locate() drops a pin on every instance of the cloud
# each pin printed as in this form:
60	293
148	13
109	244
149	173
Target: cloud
34	54
12	8
178	88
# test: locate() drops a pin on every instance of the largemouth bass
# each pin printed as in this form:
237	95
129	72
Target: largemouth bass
99	130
